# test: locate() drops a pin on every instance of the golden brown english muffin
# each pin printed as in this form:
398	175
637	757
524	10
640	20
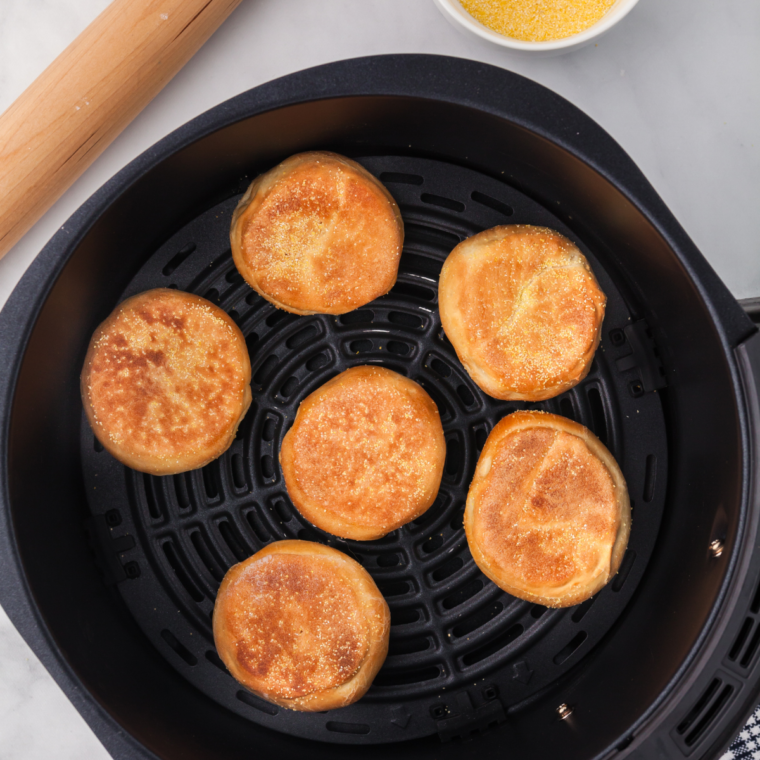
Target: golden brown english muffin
523	310
365	454
317	234
548	515
166	382
302	625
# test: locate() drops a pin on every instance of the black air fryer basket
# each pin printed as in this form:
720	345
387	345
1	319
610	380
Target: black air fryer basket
111	575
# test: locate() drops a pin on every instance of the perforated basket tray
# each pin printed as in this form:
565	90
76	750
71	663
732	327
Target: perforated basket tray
457	641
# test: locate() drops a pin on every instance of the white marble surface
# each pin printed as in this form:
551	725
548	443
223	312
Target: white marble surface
676	83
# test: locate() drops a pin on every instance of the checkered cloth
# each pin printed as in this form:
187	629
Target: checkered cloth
746	746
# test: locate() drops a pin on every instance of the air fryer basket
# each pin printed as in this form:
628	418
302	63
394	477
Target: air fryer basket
111	575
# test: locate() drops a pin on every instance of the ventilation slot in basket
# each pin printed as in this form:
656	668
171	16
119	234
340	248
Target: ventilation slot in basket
302	337
267	468
400	178
279	317
492	203
360	346
268	429
567	651
359	317
347	728
463	594
173	558
399	348
181	491
425	235
466	396
205	555
403	616
449	568
457	521
307	534
396	588
582	609
432	544
152	485
216	661
179	647
177	259
598	419
426	265
236	544
238	472
405	320
258	704
404	677
438	398
567	409
506	638
440	367
289	387
250	341
440	201
256	526
409	646
625	568
433	512
413	291
454	463
650	478
477	620
266	370
211	480
317	362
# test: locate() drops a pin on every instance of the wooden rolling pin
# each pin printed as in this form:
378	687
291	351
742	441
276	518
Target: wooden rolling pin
84	99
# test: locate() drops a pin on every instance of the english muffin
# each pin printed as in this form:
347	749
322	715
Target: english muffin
317	234
365	454
302	625
548	515
166	382
523	310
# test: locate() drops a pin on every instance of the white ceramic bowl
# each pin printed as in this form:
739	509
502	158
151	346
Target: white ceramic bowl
456	14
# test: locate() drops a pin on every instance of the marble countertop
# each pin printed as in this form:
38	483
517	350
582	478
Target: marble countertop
675	83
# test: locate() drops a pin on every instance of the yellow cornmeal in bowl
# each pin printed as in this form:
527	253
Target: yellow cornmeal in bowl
537	20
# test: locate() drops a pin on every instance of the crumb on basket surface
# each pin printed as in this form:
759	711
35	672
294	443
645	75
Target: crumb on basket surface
537	20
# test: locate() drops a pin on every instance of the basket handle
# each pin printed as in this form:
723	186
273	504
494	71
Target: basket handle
85	98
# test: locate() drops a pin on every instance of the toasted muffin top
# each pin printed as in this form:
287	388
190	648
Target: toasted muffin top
523	311
166	381
365	454
298	623
547	514
318	234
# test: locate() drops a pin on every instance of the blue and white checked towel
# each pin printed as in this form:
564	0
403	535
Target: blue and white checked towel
746	746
